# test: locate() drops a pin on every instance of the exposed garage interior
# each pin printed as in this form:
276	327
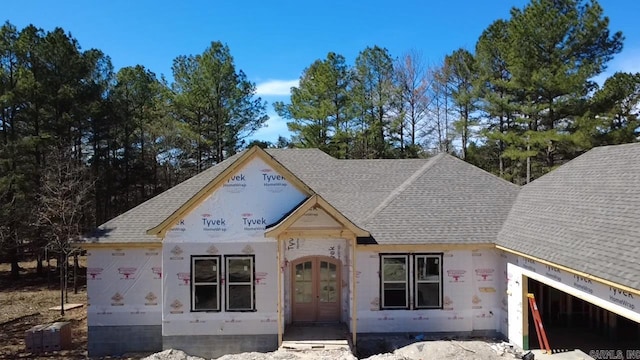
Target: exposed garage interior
572	323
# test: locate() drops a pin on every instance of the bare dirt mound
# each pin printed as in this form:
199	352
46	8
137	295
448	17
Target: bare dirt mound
439	349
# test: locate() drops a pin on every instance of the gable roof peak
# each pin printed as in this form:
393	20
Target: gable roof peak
217	180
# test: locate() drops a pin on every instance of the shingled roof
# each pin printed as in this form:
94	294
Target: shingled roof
446	201
354	187
585	215
406	201
437	200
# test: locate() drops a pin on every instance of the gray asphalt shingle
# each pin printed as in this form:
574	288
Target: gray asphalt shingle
436	200
584	215
450	202
441	199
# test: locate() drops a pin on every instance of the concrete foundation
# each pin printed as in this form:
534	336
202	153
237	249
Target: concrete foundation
214	346
118	340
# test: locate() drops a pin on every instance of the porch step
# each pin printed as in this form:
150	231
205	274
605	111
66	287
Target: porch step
299	345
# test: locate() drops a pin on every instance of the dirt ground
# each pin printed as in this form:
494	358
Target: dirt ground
435	349
26	302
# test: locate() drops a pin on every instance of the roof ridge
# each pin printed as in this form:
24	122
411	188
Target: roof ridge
380	160
402	187
609	146
576	161
485	172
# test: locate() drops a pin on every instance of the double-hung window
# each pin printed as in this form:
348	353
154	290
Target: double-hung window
240	283
410	276
428	281
394	276
205	283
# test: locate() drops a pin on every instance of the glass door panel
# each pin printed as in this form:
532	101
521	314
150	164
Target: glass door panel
328	282
304	282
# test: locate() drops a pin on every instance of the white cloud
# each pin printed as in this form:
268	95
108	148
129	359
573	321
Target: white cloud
276	126
275	87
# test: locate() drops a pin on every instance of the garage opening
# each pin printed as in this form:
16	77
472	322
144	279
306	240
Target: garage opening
572	323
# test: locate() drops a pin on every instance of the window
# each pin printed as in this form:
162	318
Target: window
240	284
205	290
428	281
395	281
425	289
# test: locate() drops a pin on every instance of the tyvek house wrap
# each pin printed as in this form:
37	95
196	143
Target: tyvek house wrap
470	283
487	278
230	221
605	296
251	198
124	287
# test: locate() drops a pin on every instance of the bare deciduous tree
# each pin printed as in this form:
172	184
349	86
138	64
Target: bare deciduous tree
63	199
414	81
439	129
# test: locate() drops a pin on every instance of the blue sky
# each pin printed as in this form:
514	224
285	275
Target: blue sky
273	41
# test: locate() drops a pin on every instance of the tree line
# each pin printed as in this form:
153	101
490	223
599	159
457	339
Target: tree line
81	143
523	102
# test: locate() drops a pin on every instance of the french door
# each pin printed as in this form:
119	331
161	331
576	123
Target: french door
315	289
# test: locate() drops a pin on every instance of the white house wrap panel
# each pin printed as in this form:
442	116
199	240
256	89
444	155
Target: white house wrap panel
249	200
469	296
124	287
177	317
503	290
515	308
229	222
485	301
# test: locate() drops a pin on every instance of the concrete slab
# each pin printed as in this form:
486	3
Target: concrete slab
307	332
316	344
67	307
316	336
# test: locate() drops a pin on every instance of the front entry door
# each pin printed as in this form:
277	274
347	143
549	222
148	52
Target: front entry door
315	282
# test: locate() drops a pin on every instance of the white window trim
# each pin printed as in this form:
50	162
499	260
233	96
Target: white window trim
250	283
405	282
417	281
194	283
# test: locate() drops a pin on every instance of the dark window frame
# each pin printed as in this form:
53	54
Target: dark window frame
252	283
416	281
407	283
411	263
193	282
